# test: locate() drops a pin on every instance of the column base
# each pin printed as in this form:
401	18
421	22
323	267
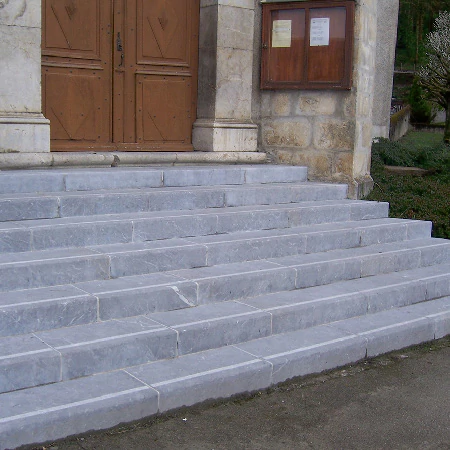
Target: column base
360	187
217	136
24	133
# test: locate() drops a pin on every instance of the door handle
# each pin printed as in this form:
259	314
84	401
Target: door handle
119	43
119	48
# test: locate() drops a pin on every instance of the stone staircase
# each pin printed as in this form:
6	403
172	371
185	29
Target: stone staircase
126	292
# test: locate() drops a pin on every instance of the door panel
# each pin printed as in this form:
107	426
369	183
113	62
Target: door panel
164	32
72	25
120	74
76	80
162	103
158	75
71	105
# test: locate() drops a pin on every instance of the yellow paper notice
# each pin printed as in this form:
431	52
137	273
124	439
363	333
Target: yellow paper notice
281	33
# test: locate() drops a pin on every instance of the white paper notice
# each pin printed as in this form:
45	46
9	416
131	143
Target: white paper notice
320	32
281	33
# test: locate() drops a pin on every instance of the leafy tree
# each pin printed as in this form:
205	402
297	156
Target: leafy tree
434	76
421	109
415	21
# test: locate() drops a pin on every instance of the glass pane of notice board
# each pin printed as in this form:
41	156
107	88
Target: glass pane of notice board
307	45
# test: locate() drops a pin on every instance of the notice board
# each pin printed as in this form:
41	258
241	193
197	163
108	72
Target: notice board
307	45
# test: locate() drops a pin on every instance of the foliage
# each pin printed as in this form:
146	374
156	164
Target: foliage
415	21
413	197
421	109
434	76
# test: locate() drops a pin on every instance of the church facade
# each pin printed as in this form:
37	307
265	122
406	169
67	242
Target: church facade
140	77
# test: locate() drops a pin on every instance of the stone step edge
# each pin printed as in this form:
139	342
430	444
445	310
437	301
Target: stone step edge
86	180
17	207
104	400
83	307
407	229
102	264
27	236
13	161
169	214
192	189
182	338
348	263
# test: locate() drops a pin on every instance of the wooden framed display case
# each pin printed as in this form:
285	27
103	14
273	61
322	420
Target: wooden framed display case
307	45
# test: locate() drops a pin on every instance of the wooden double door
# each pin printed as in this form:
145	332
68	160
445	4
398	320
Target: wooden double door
120	74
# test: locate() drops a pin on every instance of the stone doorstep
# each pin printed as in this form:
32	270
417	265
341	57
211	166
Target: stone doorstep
101	401
14	161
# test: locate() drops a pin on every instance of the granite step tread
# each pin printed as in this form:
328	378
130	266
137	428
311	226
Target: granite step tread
58	180
35	269
96	230
14	207
76	351
73	352
249	279
100	401
41	309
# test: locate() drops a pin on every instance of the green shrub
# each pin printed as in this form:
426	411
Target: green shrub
413	197
412	152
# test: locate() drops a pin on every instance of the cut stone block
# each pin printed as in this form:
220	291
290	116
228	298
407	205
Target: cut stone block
100	347
23	312
51	267
26	361
138	295
215	325
62	409
202	376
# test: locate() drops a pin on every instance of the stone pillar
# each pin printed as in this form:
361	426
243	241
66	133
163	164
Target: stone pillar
23	128
364	80
225	77
385	58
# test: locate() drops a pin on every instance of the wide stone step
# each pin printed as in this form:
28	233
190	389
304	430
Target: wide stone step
29	270
63	180
67	353
249	279
15	207
51	268
57	410
140	227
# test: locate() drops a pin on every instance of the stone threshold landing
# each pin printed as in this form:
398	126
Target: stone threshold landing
10	161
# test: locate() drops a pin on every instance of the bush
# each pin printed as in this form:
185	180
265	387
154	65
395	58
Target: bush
405	153
413	197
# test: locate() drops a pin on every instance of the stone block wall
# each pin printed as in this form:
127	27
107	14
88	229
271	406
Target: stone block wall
313	128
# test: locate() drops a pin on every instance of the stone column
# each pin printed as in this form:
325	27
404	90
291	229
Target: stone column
385	58
364	80
225	77
23	128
